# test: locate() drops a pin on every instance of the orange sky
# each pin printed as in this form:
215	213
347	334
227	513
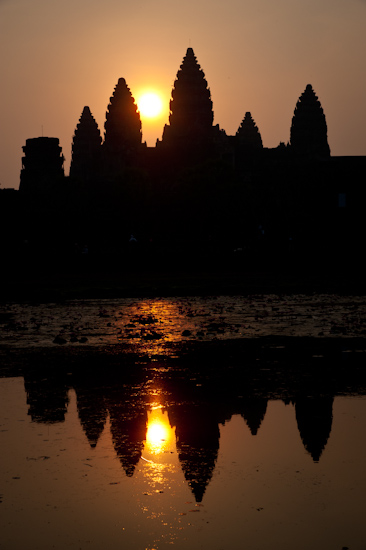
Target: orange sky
257	55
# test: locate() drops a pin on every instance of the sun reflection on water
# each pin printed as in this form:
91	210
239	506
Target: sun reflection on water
159	452
156	437
160	435
152	323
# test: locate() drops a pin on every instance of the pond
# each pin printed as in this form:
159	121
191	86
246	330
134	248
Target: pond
219	442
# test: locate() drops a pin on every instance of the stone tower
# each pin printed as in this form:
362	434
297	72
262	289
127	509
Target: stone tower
248	136
86	149
309	127
42	165
123	136
191	114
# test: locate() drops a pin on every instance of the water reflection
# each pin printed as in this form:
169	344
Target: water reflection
185	453
194	426
47	398
155	410
314	415
128	419
198	434
159	433
189	426
253	410
158	448
152	323
92	412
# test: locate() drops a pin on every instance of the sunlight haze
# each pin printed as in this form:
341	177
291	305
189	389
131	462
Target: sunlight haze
149	104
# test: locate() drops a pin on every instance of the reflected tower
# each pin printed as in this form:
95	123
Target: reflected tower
47	397
314	416
253	411
197	435
128	417
92	412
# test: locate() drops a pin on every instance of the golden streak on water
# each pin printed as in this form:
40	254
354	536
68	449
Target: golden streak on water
159	449
159	435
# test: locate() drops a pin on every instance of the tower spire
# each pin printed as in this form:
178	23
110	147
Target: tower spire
123	134
248	134
86	148
191	114
309	127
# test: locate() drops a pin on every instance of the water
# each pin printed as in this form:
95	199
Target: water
173	319
219	442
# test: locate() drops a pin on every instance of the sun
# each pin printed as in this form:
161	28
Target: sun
150	104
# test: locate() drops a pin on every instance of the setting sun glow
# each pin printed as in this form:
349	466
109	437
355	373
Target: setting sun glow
150	105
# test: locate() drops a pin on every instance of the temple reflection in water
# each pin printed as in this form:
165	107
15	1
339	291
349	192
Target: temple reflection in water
205	443
156	414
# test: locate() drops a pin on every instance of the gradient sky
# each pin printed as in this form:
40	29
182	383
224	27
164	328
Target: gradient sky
257	55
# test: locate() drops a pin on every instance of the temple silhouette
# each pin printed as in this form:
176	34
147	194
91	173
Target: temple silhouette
199	398
197	189
197	424
197	438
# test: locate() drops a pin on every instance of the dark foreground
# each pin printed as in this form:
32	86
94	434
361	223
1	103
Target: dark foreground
105	278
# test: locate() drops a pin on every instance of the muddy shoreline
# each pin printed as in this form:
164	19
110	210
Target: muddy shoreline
289	339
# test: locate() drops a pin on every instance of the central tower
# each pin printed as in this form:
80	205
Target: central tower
191	115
